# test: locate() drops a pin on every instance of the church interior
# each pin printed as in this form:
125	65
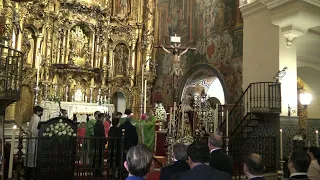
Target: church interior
244	69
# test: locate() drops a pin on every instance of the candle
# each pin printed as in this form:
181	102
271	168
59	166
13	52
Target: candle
182	121
317	138
281	146
170	120
142	78
11	151
215	125
174	114
227	123
145	96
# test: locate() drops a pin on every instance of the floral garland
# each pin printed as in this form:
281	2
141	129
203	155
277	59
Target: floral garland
60	130
160	113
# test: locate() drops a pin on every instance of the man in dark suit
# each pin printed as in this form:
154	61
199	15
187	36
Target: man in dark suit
99	145
130	134
198	154
298	165
180	164
253	167
218	159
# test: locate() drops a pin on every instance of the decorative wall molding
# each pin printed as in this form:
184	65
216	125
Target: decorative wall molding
252	9
275	3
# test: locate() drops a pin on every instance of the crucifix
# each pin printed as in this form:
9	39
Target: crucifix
176	48
176	52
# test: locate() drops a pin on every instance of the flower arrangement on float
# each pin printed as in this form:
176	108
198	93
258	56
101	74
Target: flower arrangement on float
61	131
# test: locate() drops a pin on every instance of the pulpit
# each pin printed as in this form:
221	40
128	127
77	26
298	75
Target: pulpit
56	153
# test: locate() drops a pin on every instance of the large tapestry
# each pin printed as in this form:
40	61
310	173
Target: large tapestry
207	25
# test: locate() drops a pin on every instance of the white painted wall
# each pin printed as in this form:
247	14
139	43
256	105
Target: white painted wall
260	48
310	77
265	53
216	90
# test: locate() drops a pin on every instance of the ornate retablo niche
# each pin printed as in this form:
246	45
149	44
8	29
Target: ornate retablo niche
80	45
121	59
121	7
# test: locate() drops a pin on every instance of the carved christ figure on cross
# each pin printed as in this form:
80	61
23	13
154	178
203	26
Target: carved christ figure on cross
176	57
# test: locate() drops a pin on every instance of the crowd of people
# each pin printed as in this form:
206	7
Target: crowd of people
197	161
207	161
93	135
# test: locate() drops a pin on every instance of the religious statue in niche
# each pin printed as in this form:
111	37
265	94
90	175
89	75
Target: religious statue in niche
122	7
79	45
121	57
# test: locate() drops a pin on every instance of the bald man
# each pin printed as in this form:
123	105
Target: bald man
218	159
253	167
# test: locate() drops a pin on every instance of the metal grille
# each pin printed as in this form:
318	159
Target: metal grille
11	64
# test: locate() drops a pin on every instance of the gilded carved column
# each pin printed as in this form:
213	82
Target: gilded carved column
148	32
6	16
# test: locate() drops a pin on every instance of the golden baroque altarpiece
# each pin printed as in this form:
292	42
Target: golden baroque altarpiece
91	48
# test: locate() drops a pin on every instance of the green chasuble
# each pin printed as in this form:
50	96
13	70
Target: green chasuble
89	127
146	131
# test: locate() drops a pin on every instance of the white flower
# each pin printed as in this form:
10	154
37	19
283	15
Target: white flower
74	134
47	129
65	124
56	127
64	132
71	130
50	135
56	131
44	134
52	129
60	121
69	134
51	125
59	133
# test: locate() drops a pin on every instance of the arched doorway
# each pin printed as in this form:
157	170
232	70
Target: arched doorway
203	78
119	101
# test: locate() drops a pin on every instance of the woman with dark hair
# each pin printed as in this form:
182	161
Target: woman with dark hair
314	168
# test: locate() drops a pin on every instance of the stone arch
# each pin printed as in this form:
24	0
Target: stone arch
200	67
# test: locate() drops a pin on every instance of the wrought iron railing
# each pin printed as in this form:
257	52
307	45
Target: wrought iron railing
11	64
79	158
242	146
260	97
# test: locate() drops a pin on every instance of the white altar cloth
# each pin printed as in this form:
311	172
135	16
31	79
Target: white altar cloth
51	109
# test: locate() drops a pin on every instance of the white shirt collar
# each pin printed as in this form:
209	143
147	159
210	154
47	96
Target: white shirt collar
297	174
255	177
214	149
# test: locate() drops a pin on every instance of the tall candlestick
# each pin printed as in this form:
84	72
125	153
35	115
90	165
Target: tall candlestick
142	78
317	138
281	146
227	123
38	58
11	151
216	119
145	97
170	120
174	115
182	122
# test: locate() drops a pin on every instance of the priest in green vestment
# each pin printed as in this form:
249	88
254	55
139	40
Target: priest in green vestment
146	130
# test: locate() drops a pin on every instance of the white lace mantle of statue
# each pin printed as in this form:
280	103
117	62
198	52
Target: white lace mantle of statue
51	109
